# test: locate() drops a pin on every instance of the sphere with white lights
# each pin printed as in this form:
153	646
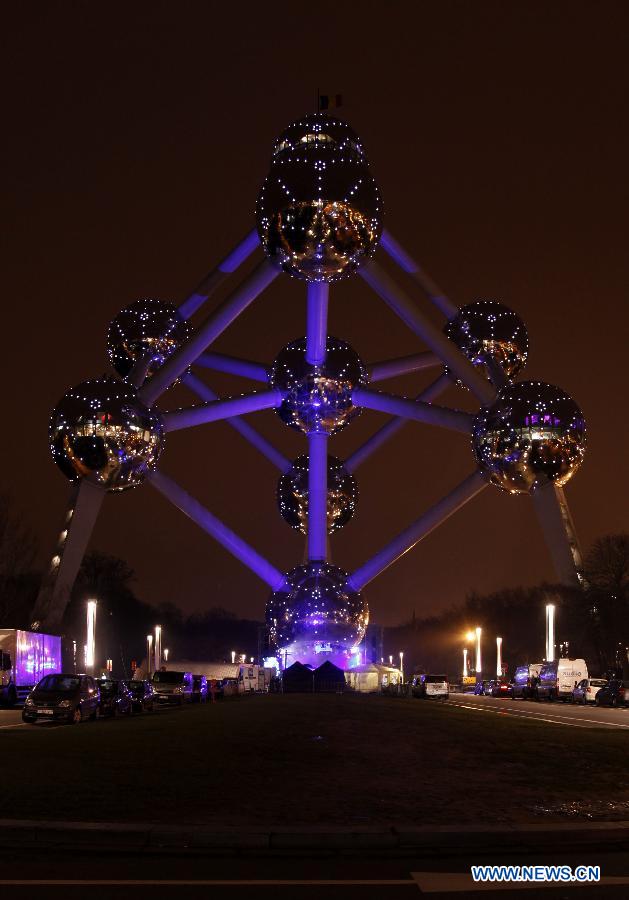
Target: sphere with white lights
319	211
318	398
148	330
317	616
101	431
531	434
292	495
489	333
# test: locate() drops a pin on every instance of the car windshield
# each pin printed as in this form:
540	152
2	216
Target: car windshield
434	679
58	683
107	687
136	687
168	677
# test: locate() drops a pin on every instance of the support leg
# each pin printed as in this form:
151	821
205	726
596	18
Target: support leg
317	322
219	410
559	533
408	264
414	409
317	496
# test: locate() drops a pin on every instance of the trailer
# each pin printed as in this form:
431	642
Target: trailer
25	657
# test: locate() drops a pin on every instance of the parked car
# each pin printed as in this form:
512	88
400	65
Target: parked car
142	695
481	687
587	689
115	698
525	681
430	686
614	693
199	689
557	679
172	687
67	698
499	687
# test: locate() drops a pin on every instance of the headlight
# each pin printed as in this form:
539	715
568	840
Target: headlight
64	703
29	702
178	690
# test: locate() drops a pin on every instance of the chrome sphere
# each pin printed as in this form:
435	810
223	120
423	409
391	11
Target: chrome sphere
489	333
101	431
533	432
292	494
318	398
317	614
319	212
147	328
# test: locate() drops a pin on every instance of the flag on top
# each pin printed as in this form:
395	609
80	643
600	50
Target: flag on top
330	101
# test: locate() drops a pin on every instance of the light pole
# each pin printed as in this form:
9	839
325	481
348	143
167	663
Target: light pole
479	667
402	665
166	652
149	653
390	660
90	652
158	647
550	632
499	657
233	656
465	670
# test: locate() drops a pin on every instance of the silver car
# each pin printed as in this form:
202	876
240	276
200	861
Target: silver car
587	689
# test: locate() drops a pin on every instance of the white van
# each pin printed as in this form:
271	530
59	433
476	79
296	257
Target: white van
557	679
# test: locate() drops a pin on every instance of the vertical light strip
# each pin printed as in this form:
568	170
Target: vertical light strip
90	652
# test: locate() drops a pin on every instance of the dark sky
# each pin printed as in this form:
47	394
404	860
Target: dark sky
135	140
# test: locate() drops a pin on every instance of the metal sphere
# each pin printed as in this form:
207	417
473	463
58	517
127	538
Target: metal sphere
318	398
146	329
101	431
533	432
317	616
489	334
292	494
319	212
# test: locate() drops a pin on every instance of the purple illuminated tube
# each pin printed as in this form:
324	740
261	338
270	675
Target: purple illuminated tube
402	366
219	531
408	264
450	355
418	530
244	428
317	495
243	367
208	331
209	284
220	409
317	323
391	428
413	409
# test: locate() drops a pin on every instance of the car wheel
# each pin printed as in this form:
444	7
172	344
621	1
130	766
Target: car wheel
77	716
94	715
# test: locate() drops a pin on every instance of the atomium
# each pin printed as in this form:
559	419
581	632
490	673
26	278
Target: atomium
146	331
318	398
102	432
292	495
317	615
319	212
489	333
533	433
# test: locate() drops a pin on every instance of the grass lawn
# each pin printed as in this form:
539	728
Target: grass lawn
302	759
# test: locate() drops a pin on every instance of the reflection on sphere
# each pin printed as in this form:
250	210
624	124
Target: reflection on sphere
318	398
292	494
488	332
319	212
101	431
532	433
150	328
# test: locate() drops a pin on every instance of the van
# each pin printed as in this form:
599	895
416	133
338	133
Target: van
430	686
524	680
557	679
173	687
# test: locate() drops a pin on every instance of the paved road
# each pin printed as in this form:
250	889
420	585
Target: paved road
12	718
575	716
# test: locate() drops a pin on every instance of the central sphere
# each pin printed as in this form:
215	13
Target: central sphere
318	398
532	433
488	332
317	616
147	329
101	431
319	212
292	494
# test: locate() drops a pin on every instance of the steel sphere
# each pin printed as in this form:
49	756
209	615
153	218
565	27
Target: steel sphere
292	494
147	329
101	431
532	433
319	212
318	398
489	334
317	615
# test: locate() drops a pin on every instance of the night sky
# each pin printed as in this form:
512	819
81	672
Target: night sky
134	145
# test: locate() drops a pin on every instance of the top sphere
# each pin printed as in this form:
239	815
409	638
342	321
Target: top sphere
101	431
532	433
146	329
319	212
489	333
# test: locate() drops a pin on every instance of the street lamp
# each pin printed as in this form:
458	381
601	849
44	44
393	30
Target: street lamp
158	647
233	656
149	653
390	660
499	656
90	651
479	667
550	632
402	665
465	670
469	636
166	652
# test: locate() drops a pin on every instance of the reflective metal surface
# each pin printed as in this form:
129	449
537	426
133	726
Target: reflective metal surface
319	213
533	432
292	494
486	332
101	431
147	329
318	398
318	616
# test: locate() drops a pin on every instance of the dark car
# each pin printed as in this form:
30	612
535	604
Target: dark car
115	699
614	693
142	695
499	687
67	698
199	689
482	687
172	687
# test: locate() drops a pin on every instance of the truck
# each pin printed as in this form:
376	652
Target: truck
25	657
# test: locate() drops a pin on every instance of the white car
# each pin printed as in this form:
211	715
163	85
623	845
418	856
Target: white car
587	689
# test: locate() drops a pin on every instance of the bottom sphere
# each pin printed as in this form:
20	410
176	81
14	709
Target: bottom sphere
317	617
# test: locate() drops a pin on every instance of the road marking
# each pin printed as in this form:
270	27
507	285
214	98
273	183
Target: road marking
17	725
570	721
461	882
